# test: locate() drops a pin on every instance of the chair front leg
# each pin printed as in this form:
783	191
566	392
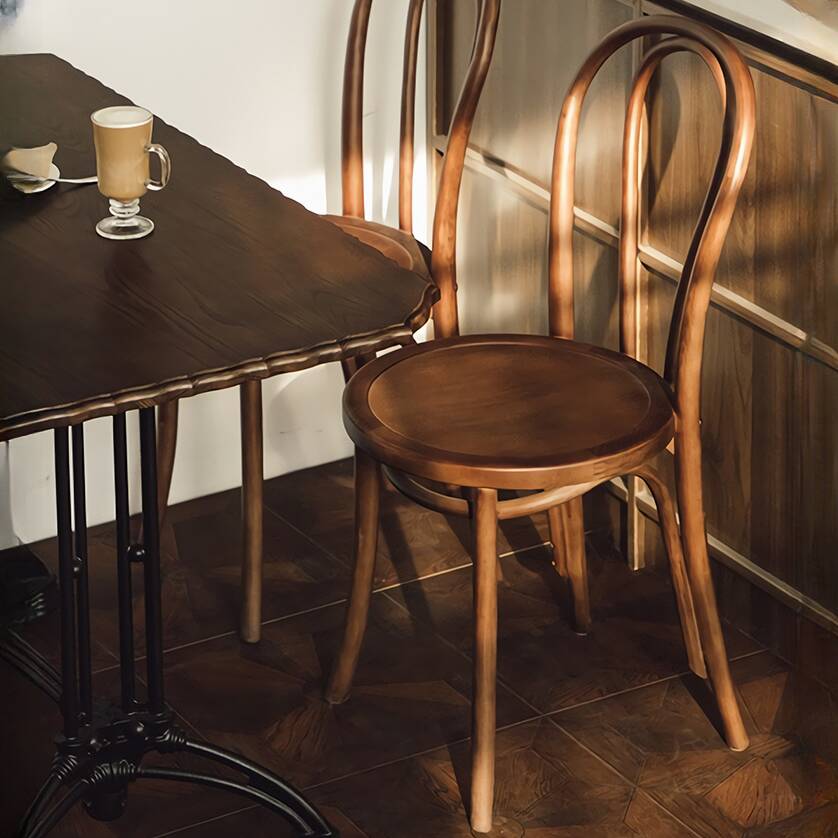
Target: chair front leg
691	507
567	532
485	659
252	486
367	504
680	580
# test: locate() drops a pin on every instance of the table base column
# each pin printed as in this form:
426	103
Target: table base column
101	750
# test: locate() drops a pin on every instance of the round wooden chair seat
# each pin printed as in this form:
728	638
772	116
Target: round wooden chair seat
395	244
509	411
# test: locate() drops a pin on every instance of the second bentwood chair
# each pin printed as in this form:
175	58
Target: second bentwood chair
396	243
514	412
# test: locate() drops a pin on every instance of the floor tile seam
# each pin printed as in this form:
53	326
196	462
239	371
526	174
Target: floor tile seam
114	654
668	811
636	687
308	537
552	720
406	757
536	716
350	564
502	681
204	822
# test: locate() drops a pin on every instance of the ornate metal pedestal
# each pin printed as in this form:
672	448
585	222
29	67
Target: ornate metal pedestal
101	749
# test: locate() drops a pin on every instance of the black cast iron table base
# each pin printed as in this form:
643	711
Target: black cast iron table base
101	749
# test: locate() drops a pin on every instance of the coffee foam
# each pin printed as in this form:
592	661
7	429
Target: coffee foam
121	116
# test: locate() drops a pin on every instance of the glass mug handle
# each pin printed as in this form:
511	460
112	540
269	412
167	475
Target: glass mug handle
165	166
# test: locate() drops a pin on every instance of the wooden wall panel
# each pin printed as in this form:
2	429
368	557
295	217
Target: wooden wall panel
770	406
817	530
782	251
540	45
727	409
824	298
595	292
774	486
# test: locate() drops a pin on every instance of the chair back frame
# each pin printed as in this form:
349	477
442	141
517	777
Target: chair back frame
443	266
686	333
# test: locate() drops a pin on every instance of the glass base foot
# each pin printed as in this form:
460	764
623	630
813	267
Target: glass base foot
125	222
116	228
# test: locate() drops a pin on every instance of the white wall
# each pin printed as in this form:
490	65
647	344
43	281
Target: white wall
260	82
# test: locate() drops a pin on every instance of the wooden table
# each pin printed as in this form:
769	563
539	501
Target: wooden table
236	284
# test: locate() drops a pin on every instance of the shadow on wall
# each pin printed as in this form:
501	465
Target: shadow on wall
9	8
382	101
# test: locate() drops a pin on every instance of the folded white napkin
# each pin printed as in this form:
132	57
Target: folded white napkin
30	161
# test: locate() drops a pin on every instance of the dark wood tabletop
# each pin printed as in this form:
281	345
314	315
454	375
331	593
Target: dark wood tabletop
237	281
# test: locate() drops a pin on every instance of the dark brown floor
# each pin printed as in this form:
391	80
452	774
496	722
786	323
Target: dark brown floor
604	735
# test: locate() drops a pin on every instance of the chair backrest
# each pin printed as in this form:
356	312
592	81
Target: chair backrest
445	215
686	333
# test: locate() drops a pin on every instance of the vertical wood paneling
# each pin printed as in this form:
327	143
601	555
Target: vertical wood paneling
823	315
782	250
817	530
727	408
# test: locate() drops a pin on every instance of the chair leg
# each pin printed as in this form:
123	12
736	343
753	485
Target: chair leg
571	527
680	581
367	503
351	365
167	420
554	518
691	507
485	659
252	478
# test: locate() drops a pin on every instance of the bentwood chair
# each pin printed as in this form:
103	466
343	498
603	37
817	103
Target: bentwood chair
515	412
396	243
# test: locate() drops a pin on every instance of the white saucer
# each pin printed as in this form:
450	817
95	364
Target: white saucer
37	186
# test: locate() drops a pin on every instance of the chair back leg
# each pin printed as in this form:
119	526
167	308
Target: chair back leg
691	508
554	518
680	580
572	538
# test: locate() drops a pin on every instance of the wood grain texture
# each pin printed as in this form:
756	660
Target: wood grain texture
781	252
237	282
412	692
541	440
780	788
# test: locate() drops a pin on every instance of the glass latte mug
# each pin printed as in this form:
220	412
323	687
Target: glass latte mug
122	136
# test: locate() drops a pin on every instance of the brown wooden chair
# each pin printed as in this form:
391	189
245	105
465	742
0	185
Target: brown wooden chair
398	244
517	412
